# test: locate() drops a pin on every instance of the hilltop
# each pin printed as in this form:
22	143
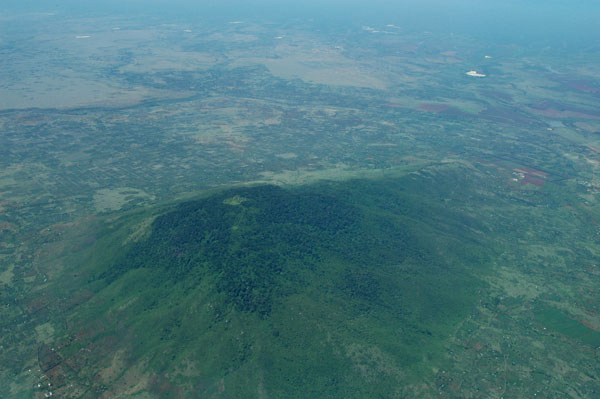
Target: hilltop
334	289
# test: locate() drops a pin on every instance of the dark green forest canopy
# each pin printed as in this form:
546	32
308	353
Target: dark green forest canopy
251	238
264	241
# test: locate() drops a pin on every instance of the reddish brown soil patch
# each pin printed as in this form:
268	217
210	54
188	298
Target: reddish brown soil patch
57	375
530	171
590	325
160	385
79	360
532	180
483	161
593	314
582	85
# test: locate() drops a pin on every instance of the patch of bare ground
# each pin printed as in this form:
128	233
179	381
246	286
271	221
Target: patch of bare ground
140	231
117	365
372	363
134	380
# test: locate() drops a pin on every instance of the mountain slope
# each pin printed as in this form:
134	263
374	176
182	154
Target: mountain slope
330	290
